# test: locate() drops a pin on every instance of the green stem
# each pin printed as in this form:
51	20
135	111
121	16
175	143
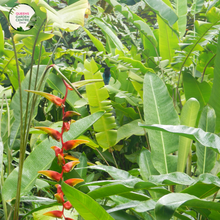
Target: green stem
189	162
21	157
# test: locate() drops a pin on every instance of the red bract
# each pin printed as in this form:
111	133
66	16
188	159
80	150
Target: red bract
55	99
55	213
69	145
67	85
66	126
56	135
59	189
57	150
59	197
66	218
67	205
73	181
69	166
68	115
51	174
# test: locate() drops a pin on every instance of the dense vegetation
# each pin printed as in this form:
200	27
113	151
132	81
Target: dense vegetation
144	78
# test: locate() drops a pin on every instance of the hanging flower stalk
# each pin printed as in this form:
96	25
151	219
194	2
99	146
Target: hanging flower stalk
67	166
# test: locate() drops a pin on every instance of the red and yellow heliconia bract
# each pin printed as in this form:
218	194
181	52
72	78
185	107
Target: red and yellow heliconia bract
69	114
69	145
55	99
56	135
69	166
55	213
51	174
57	150
73	181
59	197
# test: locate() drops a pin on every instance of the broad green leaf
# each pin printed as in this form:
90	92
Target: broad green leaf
195	89
146	166
1	155
82	171
113	189
212	4
205	186
95	41
40	161
163	10
84	204
159	109
1	41
167	205
69	18
197	6
181	11
197	134
97	97
206	157
107	31
215	94
129	129
188	117
168	40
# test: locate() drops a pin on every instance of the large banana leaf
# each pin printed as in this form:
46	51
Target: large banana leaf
168	204
158	108
215	94
41	158
197	134
97	97
192	88
206	156
188	117
168	40
163	10
84	204
181	11
197	6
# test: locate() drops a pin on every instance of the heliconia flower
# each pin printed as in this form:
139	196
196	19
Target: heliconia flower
55	99
69	145
67	205
66	126
59	189
57	150
55	213
59	197
51	132
73	181
60	159
51	174
69	114
69	166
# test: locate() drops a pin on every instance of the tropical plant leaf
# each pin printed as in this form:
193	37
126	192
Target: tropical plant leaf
108	32
97	96
41	161
168	40
197	6
188	117
213	101
168	204
163	10
197	134
158	108
192	88
206	156
84	204
181	11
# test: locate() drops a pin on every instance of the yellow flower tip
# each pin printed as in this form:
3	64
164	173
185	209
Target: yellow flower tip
69	166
